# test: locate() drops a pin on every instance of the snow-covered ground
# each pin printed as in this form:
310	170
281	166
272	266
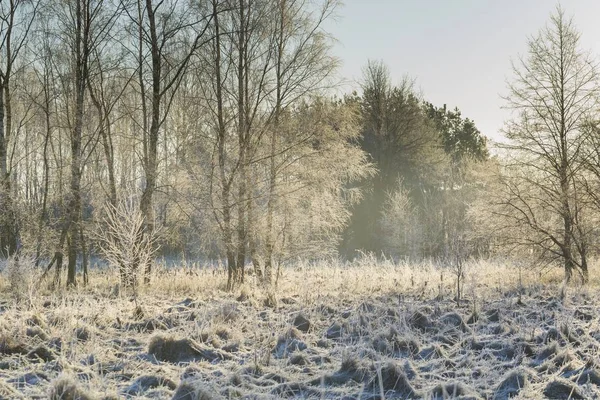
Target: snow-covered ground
361	332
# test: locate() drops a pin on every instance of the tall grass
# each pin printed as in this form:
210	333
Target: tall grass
306	280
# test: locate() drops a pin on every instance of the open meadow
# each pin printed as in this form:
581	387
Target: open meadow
258	134
367	330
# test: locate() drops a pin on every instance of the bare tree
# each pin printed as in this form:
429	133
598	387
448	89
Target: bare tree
303	65
224	217
553	94
107	83
167	37
123	242
44	99
16	18
86	24
261	77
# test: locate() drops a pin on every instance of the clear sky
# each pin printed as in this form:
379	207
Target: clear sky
459	51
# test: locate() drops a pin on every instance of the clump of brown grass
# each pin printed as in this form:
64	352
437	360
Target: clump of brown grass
193	390
66	388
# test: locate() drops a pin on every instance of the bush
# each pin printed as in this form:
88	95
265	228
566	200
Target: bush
125	242
22	276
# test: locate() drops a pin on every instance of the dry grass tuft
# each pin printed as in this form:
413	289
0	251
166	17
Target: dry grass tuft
194	390
391	378
66	388
9	345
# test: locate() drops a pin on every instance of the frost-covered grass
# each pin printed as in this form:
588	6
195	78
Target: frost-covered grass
370	329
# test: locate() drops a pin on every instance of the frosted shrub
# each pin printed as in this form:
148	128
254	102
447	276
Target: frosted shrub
124	241
22	276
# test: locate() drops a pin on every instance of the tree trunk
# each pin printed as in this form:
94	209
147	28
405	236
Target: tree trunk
147	205
75	188
584	265
75	203
241	233
567	252
231	270
270	237
58	258
82	25
147	209
242	71
270	240
72	257
226	225
8	239
44	212
84	258
107	144
252	245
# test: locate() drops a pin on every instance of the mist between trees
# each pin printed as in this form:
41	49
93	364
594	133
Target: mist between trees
130	129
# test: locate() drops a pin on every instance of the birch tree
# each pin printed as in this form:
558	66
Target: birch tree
167	35
16	19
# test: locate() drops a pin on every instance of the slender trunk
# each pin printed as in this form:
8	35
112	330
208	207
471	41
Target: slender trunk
241	229
12	226
58	258
283	243
72	248
81	75
252	245
242	143
44	212
8	223
4	180
445	228
226	229
564	169
146	204
270	239
567	215
126	274
8	239
568	230
147	209
7	109
105	135
231	270
85	259
584	265
75	203
75	187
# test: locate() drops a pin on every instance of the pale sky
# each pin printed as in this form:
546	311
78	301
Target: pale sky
459	51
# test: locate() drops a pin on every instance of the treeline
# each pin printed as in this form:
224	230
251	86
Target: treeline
209	129
210	120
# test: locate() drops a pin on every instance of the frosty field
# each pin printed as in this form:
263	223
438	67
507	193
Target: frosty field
361	331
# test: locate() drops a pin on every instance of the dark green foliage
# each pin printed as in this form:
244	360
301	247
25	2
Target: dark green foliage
460	137
400	142
421	150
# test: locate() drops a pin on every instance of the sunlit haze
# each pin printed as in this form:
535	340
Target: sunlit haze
458	51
